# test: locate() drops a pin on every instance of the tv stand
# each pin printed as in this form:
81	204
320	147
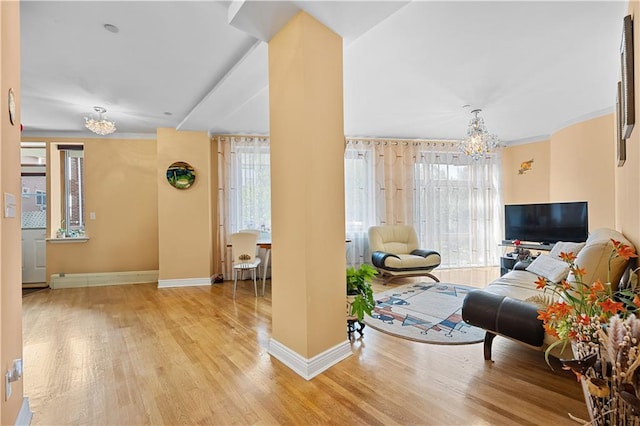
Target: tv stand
529	245
509	260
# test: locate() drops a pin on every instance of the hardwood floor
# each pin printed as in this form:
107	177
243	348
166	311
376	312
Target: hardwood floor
136	354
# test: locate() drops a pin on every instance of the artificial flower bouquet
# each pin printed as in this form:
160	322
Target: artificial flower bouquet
600	323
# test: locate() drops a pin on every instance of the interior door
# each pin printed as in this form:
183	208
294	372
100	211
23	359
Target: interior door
34	228
34	266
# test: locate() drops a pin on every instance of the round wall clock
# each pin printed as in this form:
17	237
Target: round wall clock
12	107
181	175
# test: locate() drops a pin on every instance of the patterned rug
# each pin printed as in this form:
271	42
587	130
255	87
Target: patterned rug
426	312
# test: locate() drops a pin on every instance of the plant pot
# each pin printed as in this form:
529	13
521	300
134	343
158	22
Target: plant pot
349	302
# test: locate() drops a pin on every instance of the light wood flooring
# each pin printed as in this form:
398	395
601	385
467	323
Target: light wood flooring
134	355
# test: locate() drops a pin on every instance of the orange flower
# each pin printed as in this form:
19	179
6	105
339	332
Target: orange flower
624	250
567	257
561	308
578	271
597	286
541	283
566	285
636	300
611	306
544	316
550	330
584	319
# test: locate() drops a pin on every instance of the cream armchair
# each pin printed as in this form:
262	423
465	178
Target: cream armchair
395	252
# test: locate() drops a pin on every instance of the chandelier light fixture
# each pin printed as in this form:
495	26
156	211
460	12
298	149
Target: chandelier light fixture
101	125
478	141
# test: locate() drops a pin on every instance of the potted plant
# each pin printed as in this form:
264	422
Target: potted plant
360	299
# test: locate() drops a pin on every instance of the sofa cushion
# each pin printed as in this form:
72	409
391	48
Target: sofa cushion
410	261
594	258
553	269
516	284
566	247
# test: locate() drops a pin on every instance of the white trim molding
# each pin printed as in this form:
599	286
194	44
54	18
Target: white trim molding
98	279
25	414
309	368
185	282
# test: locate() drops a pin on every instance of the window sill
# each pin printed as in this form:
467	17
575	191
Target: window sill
68	240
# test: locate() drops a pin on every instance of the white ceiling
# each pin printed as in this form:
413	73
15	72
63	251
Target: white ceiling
409	67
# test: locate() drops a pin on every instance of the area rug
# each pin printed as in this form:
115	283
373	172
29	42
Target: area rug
426	312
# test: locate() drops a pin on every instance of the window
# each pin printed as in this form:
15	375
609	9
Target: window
251	187
41	199
452	201
67	189
359	206
244	191
33	164
457	207
73	186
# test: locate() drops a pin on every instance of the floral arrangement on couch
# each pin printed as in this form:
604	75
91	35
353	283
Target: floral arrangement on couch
600	323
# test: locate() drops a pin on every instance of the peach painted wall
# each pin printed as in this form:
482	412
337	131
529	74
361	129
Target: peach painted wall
10	234
121	189
576	164
531	186
307	186
628	176
185	239
582	167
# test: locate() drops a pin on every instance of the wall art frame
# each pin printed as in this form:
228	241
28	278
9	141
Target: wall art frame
621	142
181	175
627	70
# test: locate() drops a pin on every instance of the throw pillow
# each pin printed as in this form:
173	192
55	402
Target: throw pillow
565	247
553	269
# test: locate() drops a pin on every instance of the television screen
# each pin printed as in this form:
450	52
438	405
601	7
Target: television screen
546	223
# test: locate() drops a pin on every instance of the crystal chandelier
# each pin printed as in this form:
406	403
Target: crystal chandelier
478	142
100	126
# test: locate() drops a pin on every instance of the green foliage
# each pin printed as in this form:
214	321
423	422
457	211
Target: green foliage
359	286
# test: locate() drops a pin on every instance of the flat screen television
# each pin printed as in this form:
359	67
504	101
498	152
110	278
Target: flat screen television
546	223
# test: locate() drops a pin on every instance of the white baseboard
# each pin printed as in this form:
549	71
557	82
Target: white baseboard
25	414
309	368
185	282
102	278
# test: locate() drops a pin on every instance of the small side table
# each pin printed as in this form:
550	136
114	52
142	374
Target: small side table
507	263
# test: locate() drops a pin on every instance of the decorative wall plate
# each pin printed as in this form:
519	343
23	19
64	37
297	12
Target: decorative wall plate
12	107
181	175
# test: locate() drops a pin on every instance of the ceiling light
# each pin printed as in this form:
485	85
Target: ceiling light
101	125
478	142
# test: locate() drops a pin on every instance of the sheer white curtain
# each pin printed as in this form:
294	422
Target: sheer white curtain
359	200
244	186
458	207
453	201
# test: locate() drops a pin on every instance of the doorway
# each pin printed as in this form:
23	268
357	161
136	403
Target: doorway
34	214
